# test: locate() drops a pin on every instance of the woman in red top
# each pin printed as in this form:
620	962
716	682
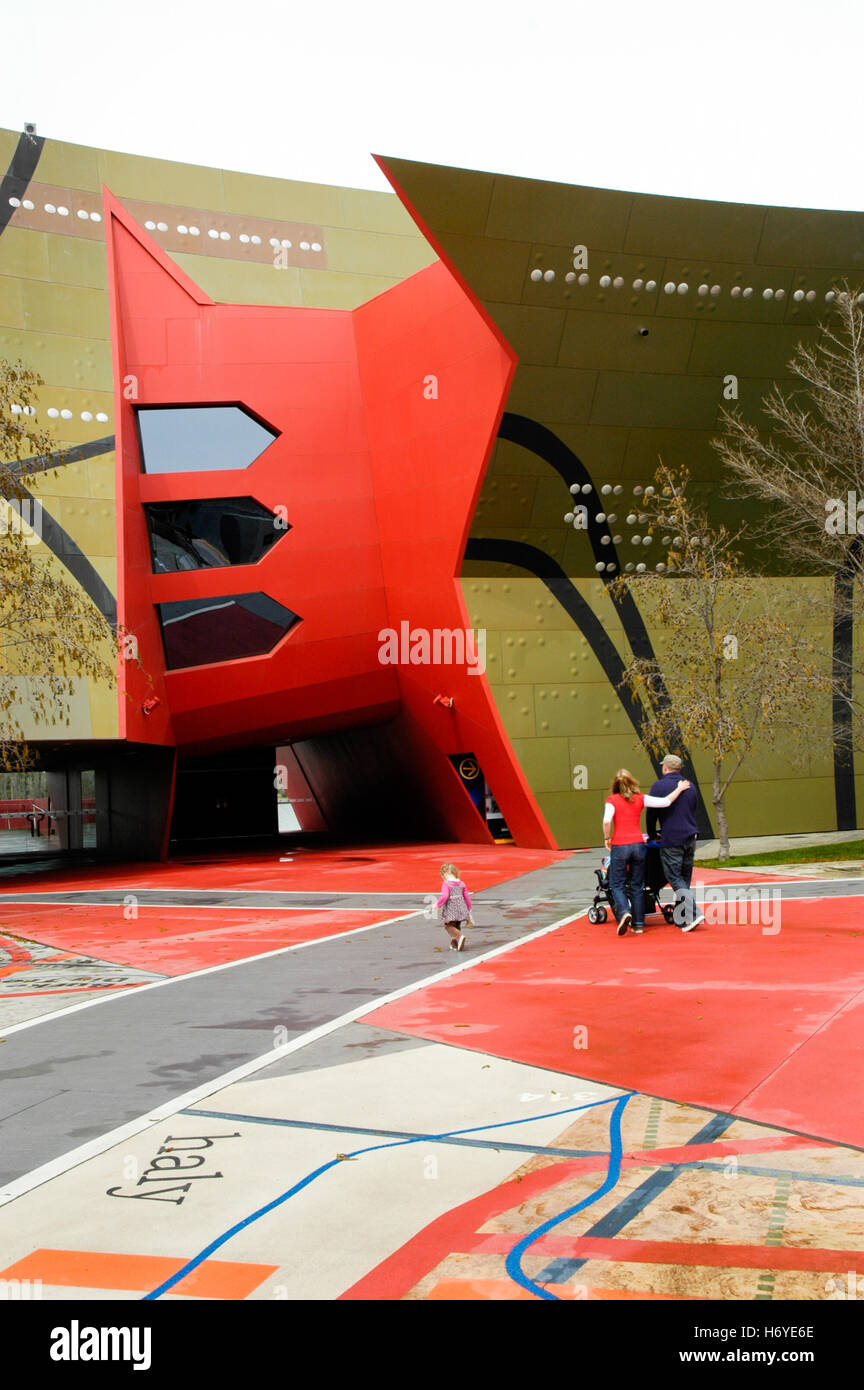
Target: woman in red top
622	833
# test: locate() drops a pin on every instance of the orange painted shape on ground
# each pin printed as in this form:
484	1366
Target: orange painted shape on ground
93	1269
174	940
375	869
724	1017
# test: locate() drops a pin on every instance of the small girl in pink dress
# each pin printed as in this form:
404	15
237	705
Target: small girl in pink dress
455	905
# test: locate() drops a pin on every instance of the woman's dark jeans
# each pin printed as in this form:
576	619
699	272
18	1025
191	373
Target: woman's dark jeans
628	862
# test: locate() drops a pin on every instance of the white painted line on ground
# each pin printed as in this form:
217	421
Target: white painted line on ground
74	1157
52	895
203	907
195	974
779	878
788	883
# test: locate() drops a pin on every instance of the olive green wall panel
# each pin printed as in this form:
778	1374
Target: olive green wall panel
573	216
26	253
545	763
678	226
161	180
376	253
73	261
11	307
553	394
749	350
537	330
334	289
516	707
785	807
64	309
373	212
65	363
494	268
261	284
803	237
628	398
612	342
460	196
74	166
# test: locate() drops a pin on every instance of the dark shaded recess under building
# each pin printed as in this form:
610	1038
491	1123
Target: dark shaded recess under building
366	783
131	790
369	783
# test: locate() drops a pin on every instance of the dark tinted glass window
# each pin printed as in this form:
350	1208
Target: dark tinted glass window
199	438
197	632
210	532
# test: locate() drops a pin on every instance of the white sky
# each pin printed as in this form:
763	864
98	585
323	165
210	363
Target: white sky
746	100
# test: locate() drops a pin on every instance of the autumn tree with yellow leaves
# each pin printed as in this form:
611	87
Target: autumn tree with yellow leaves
52	636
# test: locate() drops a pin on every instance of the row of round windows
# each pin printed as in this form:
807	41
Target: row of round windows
629	568
215	235
247	239
61	211
682	287
54	413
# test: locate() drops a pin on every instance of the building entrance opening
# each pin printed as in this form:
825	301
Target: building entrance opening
475	784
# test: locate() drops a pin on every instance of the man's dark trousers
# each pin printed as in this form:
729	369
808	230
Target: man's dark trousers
677	861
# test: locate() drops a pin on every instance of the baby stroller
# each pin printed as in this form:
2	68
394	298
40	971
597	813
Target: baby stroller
655	882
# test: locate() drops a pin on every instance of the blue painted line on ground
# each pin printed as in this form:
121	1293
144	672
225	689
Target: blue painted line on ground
796	1175
372	1148
397	1134
792	1174
513	1262
620	1216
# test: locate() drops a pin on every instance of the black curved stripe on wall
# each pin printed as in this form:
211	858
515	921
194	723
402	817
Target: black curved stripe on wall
842	714
19	174
61	544
540	440
43	463
58	541
537	562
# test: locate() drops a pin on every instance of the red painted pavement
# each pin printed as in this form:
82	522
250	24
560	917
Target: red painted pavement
355	869
173	941
765	1026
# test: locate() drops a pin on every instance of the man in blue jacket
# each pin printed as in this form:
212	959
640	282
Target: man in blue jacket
677	837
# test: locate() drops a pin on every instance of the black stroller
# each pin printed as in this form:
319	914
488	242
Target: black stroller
655	882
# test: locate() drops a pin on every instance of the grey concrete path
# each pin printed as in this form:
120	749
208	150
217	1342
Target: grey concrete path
71	1078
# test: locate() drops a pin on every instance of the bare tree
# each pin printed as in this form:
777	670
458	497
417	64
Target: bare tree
731	652
810	470
814	459
51	635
